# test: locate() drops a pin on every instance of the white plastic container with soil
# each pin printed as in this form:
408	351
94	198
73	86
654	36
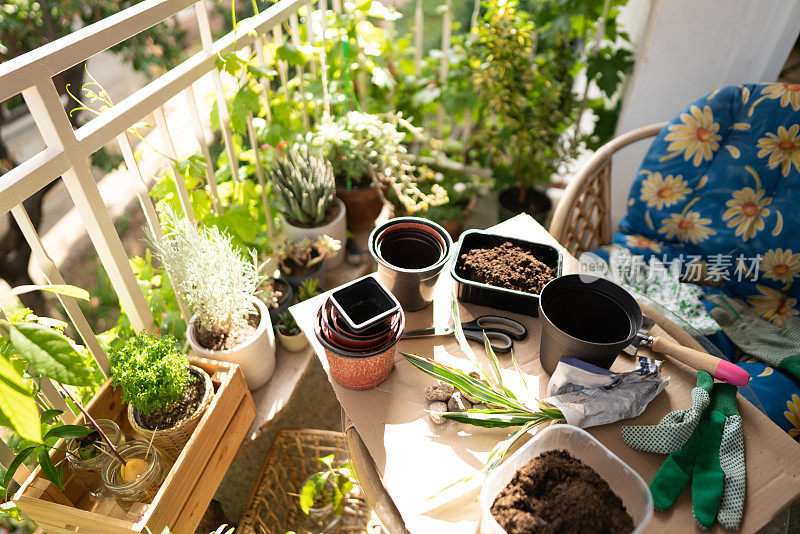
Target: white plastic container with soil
166	395
587	488
304	192
220	286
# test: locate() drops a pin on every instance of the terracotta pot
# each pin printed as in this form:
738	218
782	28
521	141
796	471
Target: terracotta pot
363	206
256	356
336	229
359	369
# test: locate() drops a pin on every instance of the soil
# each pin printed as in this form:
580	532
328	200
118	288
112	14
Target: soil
507	266
302	270
229	340
556	493
86	446
183	409
333	212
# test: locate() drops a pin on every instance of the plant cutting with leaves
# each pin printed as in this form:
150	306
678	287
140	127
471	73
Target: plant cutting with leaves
507	409
328	487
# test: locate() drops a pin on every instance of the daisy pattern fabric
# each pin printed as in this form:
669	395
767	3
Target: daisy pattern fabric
719	192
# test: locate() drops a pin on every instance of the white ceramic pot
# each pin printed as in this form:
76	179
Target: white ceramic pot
337	229
293	343
256	356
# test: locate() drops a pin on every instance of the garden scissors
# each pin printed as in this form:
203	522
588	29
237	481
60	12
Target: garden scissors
501	339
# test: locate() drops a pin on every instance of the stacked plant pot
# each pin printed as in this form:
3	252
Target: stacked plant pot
360	358
411	253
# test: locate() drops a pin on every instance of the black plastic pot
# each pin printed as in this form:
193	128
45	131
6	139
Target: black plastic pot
287	294
411	253
493	296
297	281
587	318
364	303
537	204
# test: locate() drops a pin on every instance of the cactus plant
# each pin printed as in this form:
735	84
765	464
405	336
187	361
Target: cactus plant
303	186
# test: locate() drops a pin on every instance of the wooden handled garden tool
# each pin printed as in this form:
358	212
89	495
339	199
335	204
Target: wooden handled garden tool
718	368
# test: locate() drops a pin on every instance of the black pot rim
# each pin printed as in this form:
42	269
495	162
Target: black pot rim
448	244
634	308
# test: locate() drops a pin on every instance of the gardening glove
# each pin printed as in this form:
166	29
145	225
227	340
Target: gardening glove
713	459
674	430
775	345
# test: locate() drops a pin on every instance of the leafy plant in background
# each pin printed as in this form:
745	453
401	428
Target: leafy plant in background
287	324
527	90
303	186
152	372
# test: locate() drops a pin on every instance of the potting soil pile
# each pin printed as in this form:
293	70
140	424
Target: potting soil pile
556	492
507	266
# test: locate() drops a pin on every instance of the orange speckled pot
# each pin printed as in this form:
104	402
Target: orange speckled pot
361	370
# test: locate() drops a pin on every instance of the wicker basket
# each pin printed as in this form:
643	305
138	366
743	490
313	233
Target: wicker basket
172	440
289	462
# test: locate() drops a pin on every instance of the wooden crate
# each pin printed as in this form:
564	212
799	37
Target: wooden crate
189	485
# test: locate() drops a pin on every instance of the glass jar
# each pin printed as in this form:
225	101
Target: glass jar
321	520
87	471
146	484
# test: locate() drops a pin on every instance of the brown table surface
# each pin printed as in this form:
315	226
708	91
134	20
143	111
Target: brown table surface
416	459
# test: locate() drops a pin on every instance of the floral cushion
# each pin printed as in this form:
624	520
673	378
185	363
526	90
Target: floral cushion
719	192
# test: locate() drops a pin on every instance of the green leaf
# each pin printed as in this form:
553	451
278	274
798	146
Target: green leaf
48	415
455	314
243	103
327	461
18	461
53	354
494	418
310	490
291	54
49	469
17	404
69	431
60	289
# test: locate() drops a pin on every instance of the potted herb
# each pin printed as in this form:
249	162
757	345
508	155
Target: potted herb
526	84
303	187
167	396
368	156
324	494
305	259
219	284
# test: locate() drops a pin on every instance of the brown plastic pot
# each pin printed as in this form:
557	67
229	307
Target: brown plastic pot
363	205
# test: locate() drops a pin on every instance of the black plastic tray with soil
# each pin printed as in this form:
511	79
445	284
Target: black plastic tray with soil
500	298
555	492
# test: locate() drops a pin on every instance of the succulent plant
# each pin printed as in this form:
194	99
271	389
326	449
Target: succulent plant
303	185
305	254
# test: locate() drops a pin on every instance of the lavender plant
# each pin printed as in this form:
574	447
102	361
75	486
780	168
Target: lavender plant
217	282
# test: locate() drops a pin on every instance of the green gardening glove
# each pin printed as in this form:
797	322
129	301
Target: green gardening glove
778	346
674	430
713	460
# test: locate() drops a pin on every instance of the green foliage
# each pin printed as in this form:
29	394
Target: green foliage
330	486
308	289
152	372
528	89
303	185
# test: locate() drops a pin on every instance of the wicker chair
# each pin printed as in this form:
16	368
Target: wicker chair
582	219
